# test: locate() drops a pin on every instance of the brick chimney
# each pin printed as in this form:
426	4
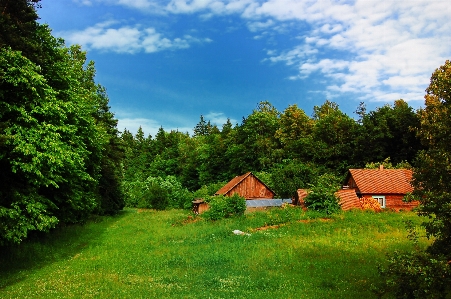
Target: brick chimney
381	167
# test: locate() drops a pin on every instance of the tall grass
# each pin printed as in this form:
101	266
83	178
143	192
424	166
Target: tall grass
166	254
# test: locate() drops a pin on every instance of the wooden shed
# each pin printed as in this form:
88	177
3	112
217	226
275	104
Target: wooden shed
248	186
199	206
387	186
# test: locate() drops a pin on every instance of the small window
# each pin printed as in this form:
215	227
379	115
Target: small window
381	200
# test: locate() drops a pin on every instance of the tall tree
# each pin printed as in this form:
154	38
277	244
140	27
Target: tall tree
260	146
56	129
432	174
111	175
333	137
428	274
295	133
389	132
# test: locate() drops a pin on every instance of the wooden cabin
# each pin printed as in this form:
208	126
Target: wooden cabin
248	186
386	186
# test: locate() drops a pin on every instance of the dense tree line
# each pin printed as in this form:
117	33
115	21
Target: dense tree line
60	152
287	149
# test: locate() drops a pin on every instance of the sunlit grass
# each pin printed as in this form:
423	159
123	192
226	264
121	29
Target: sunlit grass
149	254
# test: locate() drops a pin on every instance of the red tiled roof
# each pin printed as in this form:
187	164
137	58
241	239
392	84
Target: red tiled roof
382	181
348	199
235	181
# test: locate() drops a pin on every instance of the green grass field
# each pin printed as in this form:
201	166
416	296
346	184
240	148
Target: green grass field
150	254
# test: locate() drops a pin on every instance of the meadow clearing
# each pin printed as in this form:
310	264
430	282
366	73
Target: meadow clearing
284	253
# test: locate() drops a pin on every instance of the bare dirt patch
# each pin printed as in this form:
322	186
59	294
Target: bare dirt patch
187	220
280	225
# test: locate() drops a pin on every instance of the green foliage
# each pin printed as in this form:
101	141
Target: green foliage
208	190
427	274
154	196
295	133
221	206
259	145
321	195
389	131
157	193
334	137
415	275
291	175
290	147
387	164
432	175
60	157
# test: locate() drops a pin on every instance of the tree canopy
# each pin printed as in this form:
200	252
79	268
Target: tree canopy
60	152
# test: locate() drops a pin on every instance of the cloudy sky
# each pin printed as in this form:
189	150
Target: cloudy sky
166	62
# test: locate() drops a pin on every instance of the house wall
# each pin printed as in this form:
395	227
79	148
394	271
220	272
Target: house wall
250	188
395	202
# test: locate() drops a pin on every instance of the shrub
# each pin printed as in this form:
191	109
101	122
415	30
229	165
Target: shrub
322	197
157	193
224	207
415	275
154	196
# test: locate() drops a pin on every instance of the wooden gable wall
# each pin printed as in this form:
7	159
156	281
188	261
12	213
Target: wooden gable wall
251	188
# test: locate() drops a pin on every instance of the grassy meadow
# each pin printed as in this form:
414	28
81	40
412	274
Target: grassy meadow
285	253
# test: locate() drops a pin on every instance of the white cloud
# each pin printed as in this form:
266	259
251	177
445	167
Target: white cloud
257	26
149	126
139	4
369	47
300	52
128	39
218	119
384	48
84	2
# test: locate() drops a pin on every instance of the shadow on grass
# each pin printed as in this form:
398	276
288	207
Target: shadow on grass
42	249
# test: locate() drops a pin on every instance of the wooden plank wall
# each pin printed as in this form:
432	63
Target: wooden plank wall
250	187
394	201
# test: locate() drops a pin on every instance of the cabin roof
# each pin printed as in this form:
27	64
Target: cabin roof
382	181
236	180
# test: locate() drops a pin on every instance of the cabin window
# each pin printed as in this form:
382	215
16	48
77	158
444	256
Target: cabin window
381	200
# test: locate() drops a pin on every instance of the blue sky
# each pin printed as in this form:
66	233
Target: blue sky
166	62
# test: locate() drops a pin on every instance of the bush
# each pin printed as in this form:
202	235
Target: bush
157	193
322	197
224	207
416	275
154	196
